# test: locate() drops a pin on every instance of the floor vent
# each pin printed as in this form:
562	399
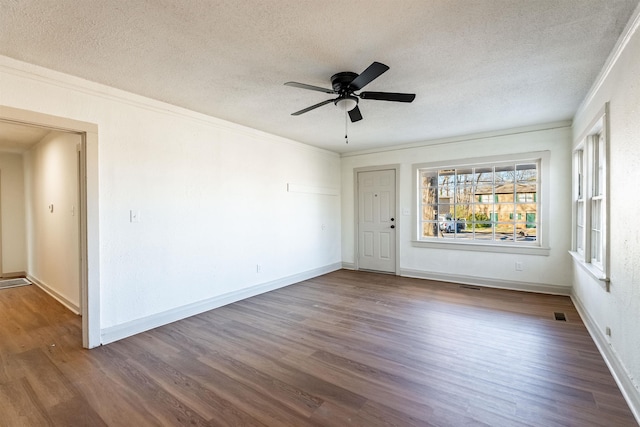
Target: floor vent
473	288
560	316
12	283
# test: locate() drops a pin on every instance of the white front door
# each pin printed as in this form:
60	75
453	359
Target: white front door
377	220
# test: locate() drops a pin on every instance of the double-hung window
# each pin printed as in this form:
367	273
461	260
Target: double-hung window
482	202
590	199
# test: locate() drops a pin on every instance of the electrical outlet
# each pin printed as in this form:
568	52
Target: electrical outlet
258	268
607	331
518	265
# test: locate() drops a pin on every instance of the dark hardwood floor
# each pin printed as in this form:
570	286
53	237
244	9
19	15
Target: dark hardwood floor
347	348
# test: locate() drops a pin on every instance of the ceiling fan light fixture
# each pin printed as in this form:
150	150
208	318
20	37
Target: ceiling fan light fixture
347	103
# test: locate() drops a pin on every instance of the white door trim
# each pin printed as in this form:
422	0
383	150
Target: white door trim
89	214
396	168
1	269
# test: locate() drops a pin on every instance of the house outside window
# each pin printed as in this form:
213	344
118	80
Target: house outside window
495	203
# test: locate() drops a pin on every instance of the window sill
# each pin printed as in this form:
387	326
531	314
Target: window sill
482	247
595	272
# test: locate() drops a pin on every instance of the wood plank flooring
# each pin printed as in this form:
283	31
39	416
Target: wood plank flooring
344	349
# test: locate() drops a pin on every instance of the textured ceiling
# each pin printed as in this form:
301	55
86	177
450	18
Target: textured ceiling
475	65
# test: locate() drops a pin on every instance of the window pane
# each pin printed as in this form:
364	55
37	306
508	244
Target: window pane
482	213
465	194
446	193
579	179
446	211
527	172
596	246
504	232
428	179
595	243
526	209
504	175
430	212
580	239
463	211
446	176
506	197
464	232
429	195
526	193
600	171
483	231
484	193
461	228
430	229
504	211
580	226
484	175
465	177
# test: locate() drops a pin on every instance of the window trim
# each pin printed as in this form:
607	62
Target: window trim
599	126
541	247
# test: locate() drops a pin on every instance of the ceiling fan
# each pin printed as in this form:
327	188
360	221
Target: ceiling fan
346	83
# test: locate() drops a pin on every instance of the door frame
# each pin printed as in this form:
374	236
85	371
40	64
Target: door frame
88	209
356	188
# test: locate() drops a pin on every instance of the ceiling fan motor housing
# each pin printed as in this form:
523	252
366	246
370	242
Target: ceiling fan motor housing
341	82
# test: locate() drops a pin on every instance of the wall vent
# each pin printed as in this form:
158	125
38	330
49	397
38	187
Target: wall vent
473	288
560	316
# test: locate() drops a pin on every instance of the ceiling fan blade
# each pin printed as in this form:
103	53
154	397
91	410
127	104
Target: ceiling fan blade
355	115
309	87
313	107
372	72
388	96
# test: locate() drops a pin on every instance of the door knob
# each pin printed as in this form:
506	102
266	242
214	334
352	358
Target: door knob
393	226
392	219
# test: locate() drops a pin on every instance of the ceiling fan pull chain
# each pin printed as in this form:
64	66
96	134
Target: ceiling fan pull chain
346	123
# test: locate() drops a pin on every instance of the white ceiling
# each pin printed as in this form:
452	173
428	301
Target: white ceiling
18	138
475	65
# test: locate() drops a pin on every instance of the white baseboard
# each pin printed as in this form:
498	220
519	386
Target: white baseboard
618	371
348	265
127	329
55	294
490	283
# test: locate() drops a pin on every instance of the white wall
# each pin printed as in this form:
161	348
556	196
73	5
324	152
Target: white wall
547	273
12	204
51	179
618	309
212	198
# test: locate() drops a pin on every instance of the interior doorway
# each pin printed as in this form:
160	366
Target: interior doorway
376	220
85	212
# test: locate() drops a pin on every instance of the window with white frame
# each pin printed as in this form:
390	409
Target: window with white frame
590	199
495	202
578	168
